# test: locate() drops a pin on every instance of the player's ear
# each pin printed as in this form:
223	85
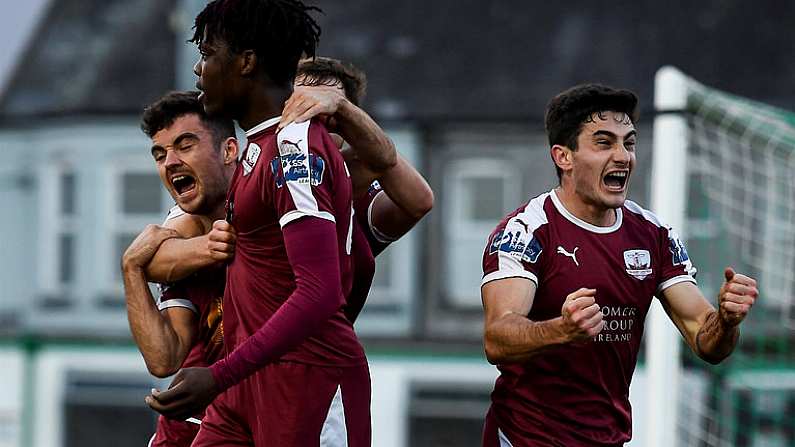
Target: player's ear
248	62
562	156
230	150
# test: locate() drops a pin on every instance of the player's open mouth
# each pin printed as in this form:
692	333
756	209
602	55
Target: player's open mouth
183	183
616	180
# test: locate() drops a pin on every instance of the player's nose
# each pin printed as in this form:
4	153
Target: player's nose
197	69
172	159
621	155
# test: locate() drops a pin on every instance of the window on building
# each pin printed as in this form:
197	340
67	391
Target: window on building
479	175
389	307
137	199
59	236
480	192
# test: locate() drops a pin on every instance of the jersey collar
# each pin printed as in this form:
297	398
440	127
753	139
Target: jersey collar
263	125
583	224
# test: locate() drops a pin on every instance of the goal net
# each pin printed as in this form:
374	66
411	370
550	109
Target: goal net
740	212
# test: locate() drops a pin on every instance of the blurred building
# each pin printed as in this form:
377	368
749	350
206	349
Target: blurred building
459	85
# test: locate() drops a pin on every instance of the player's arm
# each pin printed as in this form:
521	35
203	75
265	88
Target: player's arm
405	199
164	339
371	156
510	337
711	334
317	296
194	249
309	231
374	148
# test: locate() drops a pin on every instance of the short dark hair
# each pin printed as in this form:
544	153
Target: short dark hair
279	32
569	110
163	112
328	71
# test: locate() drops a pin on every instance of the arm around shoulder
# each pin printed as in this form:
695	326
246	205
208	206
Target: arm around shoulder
196	249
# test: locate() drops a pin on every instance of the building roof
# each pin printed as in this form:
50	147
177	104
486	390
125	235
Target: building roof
490	60
504	59
94	57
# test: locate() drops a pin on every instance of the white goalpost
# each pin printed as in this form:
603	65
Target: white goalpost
668	195
723	176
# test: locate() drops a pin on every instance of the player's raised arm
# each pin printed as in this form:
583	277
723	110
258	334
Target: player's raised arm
331	89
406	198
711	334
164	339
195	249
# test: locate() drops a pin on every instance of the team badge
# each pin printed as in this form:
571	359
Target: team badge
513	243
252	155
678	251
533	251
638	263
679	254
292	168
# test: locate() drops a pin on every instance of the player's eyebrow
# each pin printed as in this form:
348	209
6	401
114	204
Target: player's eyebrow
604	133
607	133
184	136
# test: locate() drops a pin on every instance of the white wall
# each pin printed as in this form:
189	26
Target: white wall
11	404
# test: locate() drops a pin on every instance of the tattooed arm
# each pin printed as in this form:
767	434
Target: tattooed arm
711	333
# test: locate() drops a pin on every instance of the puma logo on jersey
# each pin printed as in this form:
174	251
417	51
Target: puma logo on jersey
288	147
572	255
526	227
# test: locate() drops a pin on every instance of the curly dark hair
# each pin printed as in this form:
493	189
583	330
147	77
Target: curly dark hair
328	71
163	112
278	31
569	110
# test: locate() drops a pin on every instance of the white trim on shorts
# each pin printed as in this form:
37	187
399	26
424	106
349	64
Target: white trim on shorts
334	432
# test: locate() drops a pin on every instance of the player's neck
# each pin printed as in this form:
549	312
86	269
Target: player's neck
582	209
263	103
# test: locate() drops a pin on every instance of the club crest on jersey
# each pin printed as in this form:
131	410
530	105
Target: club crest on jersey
252	155
638	263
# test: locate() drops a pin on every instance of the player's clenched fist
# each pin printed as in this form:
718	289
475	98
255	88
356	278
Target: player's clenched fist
736	297
582	317
221	241
144	247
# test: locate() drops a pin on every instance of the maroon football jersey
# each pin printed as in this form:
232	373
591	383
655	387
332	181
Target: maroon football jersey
296	173
577	394
202	293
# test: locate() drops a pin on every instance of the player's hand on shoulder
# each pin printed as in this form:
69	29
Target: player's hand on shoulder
308	102
221	241
145	245
582	316
191	391
736	297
